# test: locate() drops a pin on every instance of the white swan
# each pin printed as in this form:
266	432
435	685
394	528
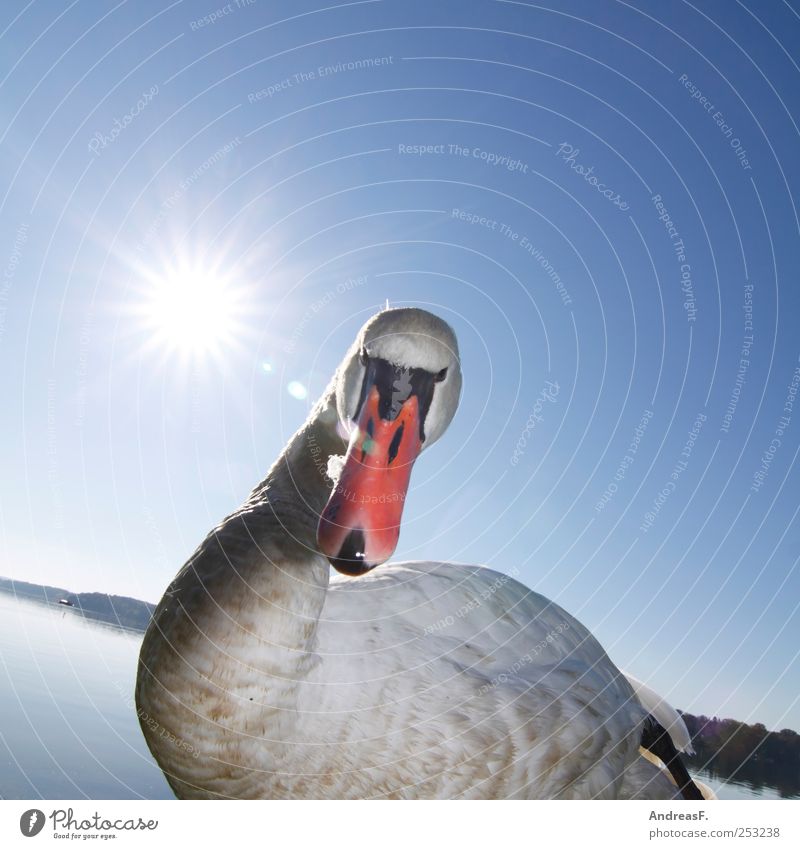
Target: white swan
259	678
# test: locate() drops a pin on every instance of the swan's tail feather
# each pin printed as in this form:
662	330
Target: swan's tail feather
656	740
664	737
664	714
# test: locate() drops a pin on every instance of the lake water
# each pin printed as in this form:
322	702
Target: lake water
741	788
733	789
68	726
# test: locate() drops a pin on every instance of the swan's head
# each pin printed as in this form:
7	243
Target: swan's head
396	393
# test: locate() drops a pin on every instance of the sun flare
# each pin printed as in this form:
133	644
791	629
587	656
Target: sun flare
190	311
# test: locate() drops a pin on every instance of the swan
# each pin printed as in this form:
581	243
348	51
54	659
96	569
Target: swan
259	676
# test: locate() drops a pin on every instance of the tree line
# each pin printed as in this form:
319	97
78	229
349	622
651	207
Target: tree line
747	753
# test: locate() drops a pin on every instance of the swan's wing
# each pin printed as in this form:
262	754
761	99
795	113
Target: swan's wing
482	622
469	664
451	605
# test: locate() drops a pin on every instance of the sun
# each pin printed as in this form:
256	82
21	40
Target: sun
190	310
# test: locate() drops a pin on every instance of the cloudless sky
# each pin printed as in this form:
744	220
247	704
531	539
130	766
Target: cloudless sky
197	217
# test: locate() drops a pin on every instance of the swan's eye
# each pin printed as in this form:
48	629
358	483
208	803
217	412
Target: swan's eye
440	376
362	355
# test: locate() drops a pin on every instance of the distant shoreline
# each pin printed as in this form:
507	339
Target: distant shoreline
119	610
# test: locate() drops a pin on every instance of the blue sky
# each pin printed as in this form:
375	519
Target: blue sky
597	196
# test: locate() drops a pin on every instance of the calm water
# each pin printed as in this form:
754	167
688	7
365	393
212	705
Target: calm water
739	788
68	726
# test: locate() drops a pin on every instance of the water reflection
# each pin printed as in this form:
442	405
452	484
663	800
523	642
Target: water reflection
748	783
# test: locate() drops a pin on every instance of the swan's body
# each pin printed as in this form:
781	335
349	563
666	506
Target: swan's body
259	677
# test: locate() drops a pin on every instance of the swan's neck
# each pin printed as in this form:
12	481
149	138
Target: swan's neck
268	547
239	620
297	487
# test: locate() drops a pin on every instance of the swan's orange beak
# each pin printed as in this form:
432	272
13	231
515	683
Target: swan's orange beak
360	525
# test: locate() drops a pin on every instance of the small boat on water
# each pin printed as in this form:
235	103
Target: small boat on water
65	601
